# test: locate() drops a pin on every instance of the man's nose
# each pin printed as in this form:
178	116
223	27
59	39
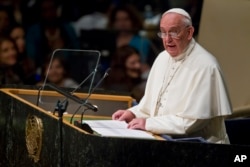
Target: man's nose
167	38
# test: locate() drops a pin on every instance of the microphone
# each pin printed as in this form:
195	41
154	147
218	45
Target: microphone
100	81
72	97
91	106
65	93
92	73
86	103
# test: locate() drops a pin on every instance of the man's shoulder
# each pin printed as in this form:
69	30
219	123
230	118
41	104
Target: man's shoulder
163	53
203	57
162	56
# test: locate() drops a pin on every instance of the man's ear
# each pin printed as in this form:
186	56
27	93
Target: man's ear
190	32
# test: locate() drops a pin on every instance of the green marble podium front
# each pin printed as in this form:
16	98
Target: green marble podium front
29	136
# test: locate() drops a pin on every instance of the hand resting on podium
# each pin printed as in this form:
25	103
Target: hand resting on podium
129	117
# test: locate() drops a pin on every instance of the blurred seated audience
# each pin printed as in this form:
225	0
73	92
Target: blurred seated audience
50	33
10	73
17	33
127	22
126	74
57	73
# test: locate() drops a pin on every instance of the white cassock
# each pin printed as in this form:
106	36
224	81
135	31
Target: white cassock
186	96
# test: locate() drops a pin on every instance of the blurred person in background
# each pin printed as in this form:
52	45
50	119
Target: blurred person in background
49	34
10	72
126	72
58	73
5	20
127	22
17	33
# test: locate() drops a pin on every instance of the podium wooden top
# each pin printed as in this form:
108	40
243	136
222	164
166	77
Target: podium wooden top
79	94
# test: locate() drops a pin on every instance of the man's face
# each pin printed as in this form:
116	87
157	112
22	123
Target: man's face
177	34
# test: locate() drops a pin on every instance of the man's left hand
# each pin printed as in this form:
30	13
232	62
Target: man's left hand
137	123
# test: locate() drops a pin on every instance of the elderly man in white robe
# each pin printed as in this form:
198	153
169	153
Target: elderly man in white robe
185	93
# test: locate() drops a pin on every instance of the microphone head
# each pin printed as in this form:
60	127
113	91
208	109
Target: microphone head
92	107
107	71
95	108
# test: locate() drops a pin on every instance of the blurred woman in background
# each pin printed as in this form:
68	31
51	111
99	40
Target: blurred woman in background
10	72
126	74
17	33
58	73
127	22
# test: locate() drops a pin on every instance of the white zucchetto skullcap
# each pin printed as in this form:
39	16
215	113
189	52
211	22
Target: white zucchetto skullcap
179	11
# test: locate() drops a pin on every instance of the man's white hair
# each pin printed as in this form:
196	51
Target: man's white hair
182	12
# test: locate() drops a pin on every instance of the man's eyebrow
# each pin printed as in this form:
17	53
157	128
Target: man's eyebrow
173	26
170	28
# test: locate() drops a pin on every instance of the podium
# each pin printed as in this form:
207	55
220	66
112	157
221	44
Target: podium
29	136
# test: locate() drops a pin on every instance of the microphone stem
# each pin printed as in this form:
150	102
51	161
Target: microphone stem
38	96
82	114
71	119
104	76
83	81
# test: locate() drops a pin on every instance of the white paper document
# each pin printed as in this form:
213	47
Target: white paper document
114	128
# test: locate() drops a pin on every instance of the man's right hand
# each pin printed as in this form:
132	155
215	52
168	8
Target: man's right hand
123	115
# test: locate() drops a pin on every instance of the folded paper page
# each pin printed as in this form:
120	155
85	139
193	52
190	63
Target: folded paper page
113	128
